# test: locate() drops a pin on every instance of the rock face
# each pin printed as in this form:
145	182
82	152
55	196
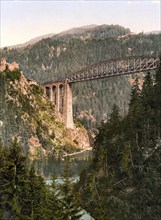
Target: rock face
27	114
11	66
3	64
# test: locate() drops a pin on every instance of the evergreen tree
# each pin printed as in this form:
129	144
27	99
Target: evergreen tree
131	190
134	125
108	141
2	193
157	101
13	179
135	111
54	201
69	198
147	96
37	196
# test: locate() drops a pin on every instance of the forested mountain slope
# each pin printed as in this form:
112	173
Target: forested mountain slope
67	52
124	180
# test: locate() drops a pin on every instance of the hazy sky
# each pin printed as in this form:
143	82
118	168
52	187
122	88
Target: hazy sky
22	20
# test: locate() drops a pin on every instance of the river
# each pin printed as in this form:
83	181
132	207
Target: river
78	162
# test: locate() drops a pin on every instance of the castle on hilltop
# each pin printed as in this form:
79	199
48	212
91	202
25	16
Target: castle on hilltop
11	66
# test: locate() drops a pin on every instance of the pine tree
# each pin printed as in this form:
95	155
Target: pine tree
106	147
2	172
13	179
157	101
23	194
37	196
135	110
131	190
148	116
69	198
134	124
54	201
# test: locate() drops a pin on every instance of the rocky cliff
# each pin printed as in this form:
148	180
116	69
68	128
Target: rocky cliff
27	114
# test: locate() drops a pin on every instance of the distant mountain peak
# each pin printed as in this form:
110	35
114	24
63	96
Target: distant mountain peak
84	32
153	32
32	41
93	31
76	30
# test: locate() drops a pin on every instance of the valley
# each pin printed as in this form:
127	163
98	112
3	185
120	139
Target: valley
103	132
62	55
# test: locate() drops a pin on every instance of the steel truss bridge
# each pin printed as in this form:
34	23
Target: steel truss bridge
115	67
60	92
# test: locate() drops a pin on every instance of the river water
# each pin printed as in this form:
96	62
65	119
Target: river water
85	214
78	162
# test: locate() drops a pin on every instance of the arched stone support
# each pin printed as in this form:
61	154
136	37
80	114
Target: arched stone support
60	93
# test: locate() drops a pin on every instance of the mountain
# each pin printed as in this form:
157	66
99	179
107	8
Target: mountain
77	30
154	32
26	114
68	52
93	31
32	41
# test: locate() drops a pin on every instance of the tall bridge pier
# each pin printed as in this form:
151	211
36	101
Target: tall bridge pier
60	93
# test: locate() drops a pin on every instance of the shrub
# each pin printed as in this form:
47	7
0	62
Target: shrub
14	75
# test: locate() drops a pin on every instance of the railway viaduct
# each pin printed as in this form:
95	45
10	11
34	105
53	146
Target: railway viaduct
60	92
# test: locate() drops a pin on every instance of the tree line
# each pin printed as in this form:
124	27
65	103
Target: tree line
24	194
124	179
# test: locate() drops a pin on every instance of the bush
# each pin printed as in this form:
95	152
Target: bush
14	75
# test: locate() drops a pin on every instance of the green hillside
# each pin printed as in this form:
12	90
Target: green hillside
55	58
26	114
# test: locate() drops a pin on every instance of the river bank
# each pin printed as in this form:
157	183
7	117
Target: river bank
78	161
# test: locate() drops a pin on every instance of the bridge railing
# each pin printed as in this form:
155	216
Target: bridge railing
116	67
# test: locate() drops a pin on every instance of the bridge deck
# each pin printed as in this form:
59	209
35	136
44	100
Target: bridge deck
114	67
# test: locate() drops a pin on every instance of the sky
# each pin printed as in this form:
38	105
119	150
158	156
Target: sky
22	20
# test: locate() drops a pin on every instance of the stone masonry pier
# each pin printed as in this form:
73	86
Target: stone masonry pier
60	93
